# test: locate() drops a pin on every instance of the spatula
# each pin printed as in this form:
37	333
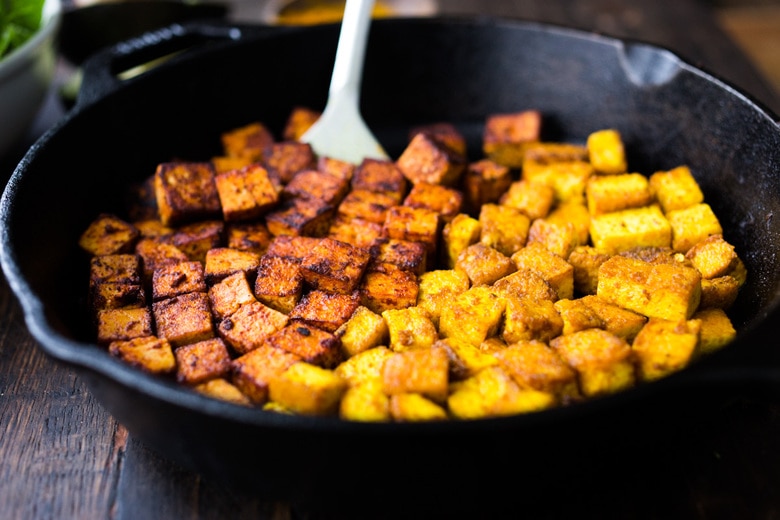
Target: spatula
340	132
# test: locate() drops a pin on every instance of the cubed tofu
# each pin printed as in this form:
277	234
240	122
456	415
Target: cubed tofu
676	188
412	407
473	316
525	283
334	266
408	255
315	184
506	136
558	238
229	294
713	256
568	179
380	176
484	182
365	403
246	193
300	216
195	239
444	200
445	133
533	199
308	389
225	163
716	331
109	235
249	327
123	324
526	319
153	228
555	270
252	371
387	286
312	345
286	158
337	167
483	264
427	160
155	255
247	141
327	311
504	228
422	371
409	329
291	247
555	151
221	262
115	269
186	192
115	295
223	390
365	366
279	283
438	288
199	362
364	331
457	234
691	225
465	359
629	228
534	365
577	316
586	260
173	280
367	205
248	236
621	322
663	347
606	151
719	293
667	291
149	353
354	230
575	213
298	122
184	319
415	225
608	193
604	362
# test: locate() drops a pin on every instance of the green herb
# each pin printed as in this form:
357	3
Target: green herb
19	20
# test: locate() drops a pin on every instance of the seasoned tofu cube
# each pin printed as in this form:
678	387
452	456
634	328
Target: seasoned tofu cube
719	293
247	141
533	199
485	182
504	228
410	256
123	324
387	286
606	151
663	347
445	201
415	225
327	311
364	331
298	122
184	319
526	319
691	225
675	189
279	283
473	316
713	256
222	390
286	158
225	163
568	179
506	136
221	262
534	365
438	288
334	266
194	240
459	233
300	216
716	331
558	238
493	393
116	281
291	247
603	361
525	283
337	167
555	270
186	192
148	353
483	264
607	193
465	359
109	235
410	328
668	291
577	316
354	230
621	322
366	403
311	344
175	279
411	407
427	160
381	176
308	389
229	294
199	362
365	366
153	228
586	261
246	193
637	227
116	295
155	255
248	236
555	151
252	371
315	184
367	205
421	371
249	327
444	133
575	213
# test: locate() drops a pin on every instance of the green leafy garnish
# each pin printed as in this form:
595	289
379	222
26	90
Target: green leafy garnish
19	20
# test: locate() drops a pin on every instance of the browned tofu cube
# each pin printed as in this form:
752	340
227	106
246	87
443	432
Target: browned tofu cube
186	192
365	366
326	311
577	316
116	295
337	167
457	234
716	332
184	319
575	213
109	235
720	292
224	261
465	359
409	328
567	179
691	225
526	319
364	331
291	247
606	193
438	288
315	184
308	389
367	205
554	151
246	193
155	254
558	238
586	261
356	231
421	371
121	268
195	239
312	345
555	270
525	283
473	316
153	228
382	176
248	327
444	133
427	160
299	216
485	181
621	322
252	371
445	201
279	283
503	228
663	347
606	151
148	353
506	136
298	122
229	294
247	141
534	365
407	255
533	199
175	279
387	286
713	257
123	324
286	158
484	264
334	266
223	390
225	163
199	362
415	225
248	236
676	188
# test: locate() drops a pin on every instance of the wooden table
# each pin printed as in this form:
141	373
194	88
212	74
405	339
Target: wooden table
62	456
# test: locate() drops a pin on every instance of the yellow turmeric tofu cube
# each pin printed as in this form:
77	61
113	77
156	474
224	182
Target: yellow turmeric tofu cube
279	283
577	316
195	239
675	189
438	288
223	390
186	192
334	266
473	316
184	319
221	262
109	235
298	122
558	238
603	361
575	213
534	365
427	160
252	371
719	293
484	182
315	184
308	389
312	345
123	324
663	347
380	176
156	254
367	205
503	228
586	261
555	270
459	233
409	328
422	371
248	236
465	359
568	179
407	255
387	286
246	193
415	225
286	158
324	310
527	319
606	151
525	283
716	332
621	322
491	392
713	256
364	331
608	193
629	228
534	199
412	407
300	216
445	201
691	225
366	403
248	327
175	279
148	353
247	141
365	366
668	291
198	362
483	264
506	136
230	293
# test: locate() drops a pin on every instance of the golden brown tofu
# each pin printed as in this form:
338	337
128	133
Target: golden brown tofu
719	293
555	270
367	205
222	390
153	228
577	316
286	158
252	371
473	316
445	201
298	122
568	179
291	247
246	193
115	295
365	366
115	269
148	353
536	366
184	319
109	235
387	286
657	255
459	233
315	184
312	345
465	360
675	189
606	151
194	240
503	228
586	261
558	238
186	192
123	324
444	133
663	347
221	262
334	266
426	159
230	293
248	236
436	289
483	264
354	230
279	283
691	225
525	283
199	362
484	182
409	329
575	213
411	407
712	256
410	256
327	311
308	389
716	331
300	216
364	331
533	199
422	371
247	141
506	136
637	227
604	362
365	402
621	322
336	167
380	176
526	319
249	326
225	163
415	225
173	280
607	193
155	255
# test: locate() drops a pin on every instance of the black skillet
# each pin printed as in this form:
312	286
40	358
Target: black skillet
417	71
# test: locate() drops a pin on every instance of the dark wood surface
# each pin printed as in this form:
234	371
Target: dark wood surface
62	456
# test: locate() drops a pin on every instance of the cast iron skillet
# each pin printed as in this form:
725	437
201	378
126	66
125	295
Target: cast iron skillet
417	71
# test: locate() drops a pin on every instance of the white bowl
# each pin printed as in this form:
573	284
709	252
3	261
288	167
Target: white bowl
25	76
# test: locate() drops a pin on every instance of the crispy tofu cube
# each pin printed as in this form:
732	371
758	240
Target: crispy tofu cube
716	332
109	235
525	283
155	255
247	141
586	261
720	292
408	255
223	390
354	230
445	201
252	371
199	362
533	199
364	331
526	319
380	176
300	216
175	279
315	184
153	228
493	393
123	324
568	179
555	270
308	389
327	311
438	288
485	182
366	403
577	316
337	167
387	286
621	322
413	407
603	361
427	160
115	295
608	193
663	347
221	262
558	238
225	163
116	281
421	371
691	225
367	205
459	233
444	133
194	240
465	359
415	225
279	283
675	189
311	344
713	256
286	158
637	227
248	236
606	151
534	365
186	192
504	228
667	291
506	136
291	247
575	213
334	266
298	122
555	151
365	366
483	264
249	326
148	353
246	193
184	319
410	328
229	294
473	316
